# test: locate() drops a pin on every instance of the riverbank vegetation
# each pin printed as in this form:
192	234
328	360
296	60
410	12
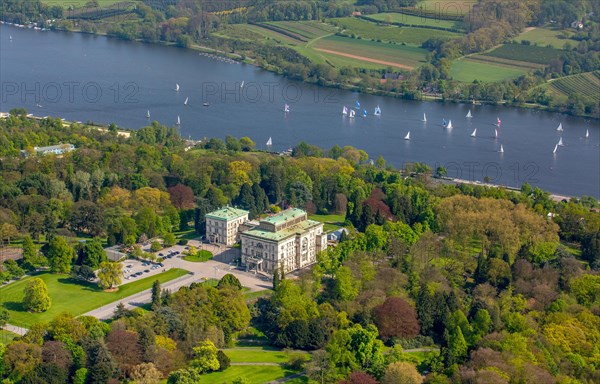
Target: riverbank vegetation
494	285
542	38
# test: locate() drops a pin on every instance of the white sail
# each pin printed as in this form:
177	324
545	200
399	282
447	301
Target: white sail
449	124
560	128
560	143
555	148
498	121
9	37
148	114
242	84
496	133
176	87
501	149
352	113
407	137
474	132
377	111
424	118
345	110
269	142
186	101
286	108
178	120
587	133
469	114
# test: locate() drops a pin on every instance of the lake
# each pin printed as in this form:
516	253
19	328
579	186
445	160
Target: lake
93	78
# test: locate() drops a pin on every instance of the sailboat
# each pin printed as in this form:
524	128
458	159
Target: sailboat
560	128
498	121
269	142
186	101
444	122
176	87
357	104
449	126
377	111
469	114
496	133
587	133
9	37
345	110
352	113
474	132
178	121
560	143
148	114
286	108
501	149
555	148
242	84
407	137
424	118
364	113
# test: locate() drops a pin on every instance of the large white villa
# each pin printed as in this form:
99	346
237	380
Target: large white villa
287	240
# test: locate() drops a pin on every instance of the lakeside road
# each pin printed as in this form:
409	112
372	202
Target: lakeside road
448	180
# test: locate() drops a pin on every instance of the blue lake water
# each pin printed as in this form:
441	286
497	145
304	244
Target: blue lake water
82	77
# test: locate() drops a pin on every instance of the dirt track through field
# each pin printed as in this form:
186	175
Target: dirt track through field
362	58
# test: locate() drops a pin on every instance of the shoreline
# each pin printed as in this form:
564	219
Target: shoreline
354	88
125	132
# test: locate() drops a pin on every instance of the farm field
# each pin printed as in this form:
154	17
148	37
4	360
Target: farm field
407	35
586	84
468	71
370	51
529	53
335	60
414	20
80	3
504	62
545	36
450	7
68	295
307	29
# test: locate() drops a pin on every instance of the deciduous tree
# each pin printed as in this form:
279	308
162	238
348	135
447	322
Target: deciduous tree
36	298
401	373
60	255
110	274
205	357
396	318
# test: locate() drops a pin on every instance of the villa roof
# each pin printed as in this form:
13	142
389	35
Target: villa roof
227	213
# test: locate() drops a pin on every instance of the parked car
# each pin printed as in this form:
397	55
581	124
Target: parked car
146	270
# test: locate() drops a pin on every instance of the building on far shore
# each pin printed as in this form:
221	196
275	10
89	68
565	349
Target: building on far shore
222	225
287	240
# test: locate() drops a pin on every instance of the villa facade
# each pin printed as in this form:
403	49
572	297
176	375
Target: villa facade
222	225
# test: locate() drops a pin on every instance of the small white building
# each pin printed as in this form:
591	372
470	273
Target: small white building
57	150
577	24
222	225
287	240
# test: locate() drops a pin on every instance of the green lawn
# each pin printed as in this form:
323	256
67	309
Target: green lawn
469	71
259	355
72	296
545	36
414	20
200	256
408	35
332	222
255	374
249	296
6	336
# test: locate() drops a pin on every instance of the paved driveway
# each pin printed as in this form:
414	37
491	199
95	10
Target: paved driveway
212	269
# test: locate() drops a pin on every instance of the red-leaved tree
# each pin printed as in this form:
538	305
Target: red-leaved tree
396	318
182	196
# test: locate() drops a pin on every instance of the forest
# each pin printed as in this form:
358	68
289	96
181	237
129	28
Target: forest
502	285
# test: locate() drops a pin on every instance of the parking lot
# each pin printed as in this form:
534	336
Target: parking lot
136	269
